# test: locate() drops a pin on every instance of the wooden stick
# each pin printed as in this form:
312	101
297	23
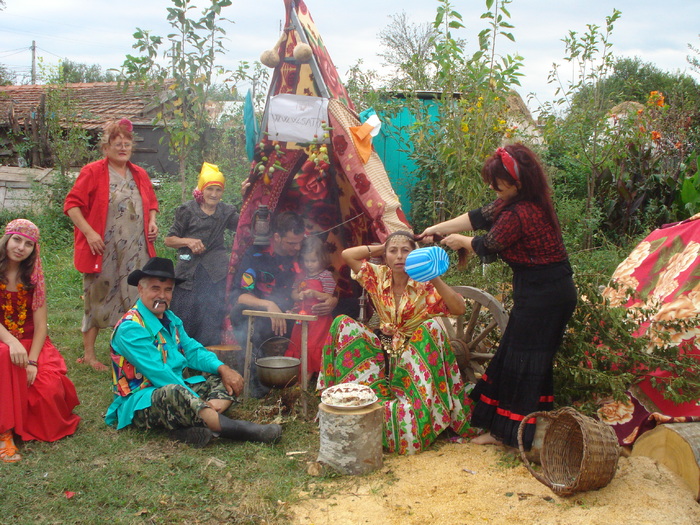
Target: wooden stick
304	364
280	315
248	355
304	341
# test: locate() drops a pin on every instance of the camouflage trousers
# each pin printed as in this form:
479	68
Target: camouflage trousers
173	406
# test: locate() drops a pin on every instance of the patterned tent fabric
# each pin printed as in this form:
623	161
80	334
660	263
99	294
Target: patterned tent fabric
370	181
664	269
342	202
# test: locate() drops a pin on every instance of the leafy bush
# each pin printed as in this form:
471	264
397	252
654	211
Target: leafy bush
603	353
688	199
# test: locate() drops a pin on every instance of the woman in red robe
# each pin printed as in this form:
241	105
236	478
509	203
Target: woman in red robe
37	396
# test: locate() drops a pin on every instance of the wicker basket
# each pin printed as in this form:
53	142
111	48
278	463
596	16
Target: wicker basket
578	453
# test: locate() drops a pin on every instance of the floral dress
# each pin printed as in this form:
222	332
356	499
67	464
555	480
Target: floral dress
107	294
421	389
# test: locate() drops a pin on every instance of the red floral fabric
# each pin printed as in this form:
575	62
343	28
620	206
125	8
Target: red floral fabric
664	269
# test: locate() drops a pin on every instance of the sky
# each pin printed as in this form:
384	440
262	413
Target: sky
100	31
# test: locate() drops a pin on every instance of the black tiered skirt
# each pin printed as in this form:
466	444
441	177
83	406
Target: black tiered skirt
518	380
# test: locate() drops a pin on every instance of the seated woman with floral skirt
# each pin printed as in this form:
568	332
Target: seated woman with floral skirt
409	364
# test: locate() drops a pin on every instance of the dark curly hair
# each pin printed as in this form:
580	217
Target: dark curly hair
532	181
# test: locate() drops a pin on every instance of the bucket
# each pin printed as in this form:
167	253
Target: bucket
578	453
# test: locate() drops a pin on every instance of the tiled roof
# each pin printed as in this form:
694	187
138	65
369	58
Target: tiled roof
97	102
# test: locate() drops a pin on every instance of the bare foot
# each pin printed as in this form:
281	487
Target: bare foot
96	365
486	439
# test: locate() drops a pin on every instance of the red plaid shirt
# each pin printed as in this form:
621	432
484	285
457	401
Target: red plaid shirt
521	234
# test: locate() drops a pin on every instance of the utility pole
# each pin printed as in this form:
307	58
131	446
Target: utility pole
33	62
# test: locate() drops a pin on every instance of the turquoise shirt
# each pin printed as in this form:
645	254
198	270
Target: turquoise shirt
136	344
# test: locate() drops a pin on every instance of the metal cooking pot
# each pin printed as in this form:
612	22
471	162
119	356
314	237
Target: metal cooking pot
274	346
278	371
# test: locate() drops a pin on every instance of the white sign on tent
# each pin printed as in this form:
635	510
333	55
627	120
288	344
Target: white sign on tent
297	118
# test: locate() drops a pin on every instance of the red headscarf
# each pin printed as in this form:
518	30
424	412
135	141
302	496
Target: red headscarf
29	230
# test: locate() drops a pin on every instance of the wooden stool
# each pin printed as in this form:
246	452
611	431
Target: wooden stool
227	354
677	447
351	440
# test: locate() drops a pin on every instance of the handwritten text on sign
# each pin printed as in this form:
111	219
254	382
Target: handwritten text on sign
297	118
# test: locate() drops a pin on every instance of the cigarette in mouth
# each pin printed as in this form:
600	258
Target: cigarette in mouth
158	302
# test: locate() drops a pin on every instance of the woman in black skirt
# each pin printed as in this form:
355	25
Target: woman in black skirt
522	228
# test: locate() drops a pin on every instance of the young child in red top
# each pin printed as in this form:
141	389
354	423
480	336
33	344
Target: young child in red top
315	286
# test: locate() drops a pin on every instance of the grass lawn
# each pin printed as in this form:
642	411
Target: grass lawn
100	475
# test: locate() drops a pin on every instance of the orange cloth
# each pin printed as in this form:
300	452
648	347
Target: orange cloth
363	140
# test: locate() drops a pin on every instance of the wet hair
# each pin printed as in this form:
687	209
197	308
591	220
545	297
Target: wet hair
115	129
533	183
314	245
26	267
286	222
402	233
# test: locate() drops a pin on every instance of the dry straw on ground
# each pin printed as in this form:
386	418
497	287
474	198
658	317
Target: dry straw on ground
466	484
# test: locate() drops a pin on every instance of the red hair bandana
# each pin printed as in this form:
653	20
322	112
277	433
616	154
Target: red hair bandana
29	230
509	163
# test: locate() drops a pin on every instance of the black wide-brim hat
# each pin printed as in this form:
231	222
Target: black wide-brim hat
155	267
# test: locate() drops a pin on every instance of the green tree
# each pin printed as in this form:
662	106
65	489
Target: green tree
631	79
70	72
452	140
622	141
585	139
7	77
694	60
69	145
407	49
68	141
255	76
190	51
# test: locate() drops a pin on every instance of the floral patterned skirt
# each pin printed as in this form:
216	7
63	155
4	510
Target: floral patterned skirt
422	396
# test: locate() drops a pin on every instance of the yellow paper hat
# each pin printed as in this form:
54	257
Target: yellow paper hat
209	175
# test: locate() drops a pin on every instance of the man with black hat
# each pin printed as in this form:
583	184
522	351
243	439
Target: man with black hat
150	349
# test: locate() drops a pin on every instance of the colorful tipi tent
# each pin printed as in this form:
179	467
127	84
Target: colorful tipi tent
307	158
664	271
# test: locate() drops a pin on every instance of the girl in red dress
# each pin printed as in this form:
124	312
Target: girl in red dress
316	286
37	396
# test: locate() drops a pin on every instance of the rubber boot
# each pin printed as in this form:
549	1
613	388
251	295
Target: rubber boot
247	431
197	437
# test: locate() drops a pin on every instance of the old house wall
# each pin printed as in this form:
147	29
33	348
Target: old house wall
18	187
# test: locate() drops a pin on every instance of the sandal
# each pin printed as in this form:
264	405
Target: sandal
8	450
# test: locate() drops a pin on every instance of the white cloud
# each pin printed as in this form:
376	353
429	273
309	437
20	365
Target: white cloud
100	31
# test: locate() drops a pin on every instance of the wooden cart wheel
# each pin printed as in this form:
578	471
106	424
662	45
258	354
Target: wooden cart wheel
474	336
